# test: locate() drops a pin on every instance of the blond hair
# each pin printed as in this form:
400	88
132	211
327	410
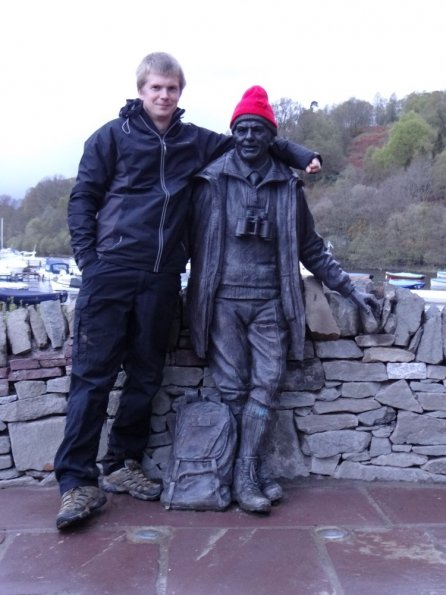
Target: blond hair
161	63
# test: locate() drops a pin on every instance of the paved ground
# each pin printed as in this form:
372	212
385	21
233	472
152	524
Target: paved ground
327	537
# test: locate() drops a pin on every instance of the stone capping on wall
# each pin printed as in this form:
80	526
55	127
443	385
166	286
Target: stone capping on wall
368	402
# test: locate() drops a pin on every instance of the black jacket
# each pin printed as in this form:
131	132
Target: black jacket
296	240
130	202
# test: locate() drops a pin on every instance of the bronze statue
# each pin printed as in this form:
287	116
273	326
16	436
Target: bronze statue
251	226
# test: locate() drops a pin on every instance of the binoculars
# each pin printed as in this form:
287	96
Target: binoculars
254	225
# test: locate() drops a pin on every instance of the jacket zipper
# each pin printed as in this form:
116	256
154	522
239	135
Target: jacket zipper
165	205
163	148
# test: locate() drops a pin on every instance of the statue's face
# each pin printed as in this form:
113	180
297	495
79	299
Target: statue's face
252	140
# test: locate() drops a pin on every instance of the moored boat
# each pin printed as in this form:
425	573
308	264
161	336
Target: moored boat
63	275
407	283
15	285
406	279
404	275
438	283
66	281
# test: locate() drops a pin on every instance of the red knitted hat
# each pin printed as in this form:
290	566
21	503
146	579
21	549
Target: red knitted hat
254	103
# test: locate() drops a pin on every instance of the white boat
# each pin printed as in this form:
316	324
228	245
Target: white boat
404	275
65	281
17	285
19	264
438	283
406	279
441	274
62	275
33	261
12	263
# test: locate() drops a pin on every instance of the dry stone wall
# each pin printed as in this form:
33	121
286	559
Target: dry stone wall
368	402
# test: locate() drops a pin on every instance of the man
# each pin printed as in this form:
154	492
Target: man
251	227
127	216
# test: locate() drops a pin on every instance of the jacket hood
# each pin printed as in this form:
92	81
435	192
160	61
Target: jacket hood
133	107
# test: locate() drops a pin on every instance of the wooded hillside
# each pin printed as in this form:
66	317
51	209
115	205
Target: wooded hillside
380	199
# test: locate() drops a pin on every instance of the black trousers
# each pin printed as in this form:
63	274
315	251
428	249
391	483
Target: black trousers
122	318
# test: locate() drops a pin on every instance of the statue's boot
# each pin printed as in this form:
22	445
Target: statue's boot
269	486
246	489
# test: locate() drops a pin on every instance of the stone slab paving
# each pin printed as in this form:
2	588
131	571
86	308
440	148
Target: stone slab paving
327	537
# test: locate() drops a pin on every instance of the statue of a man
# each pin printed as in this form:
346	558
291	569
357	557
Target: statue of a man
251	226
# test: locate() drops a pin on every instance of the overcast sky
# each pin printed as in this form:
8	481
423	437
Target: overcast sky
67	66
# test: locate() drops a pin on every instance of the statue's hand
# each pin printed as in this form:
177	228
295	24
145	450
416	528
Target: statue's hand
366	302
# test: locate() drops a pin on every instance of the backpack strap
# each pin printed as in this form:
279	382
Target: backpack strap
192	395
217	477
172	483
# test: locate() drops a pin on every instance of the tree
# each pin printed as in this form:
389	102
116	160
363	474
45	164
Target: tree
41	219
410	137
9	214
47	193
439	176
287	113
416	236
322	133
317	130
386	112
352	117
432	108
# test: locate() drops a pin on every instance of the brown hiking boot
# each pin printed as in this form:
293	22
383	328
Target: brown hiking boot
130	479
79	503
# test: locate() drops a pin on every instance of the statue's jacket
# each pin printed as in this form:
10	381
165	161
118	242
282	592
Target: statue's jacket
296	241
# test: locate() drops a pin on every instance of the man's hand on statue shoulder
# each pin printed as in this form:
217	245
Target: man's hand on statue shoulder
314	166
